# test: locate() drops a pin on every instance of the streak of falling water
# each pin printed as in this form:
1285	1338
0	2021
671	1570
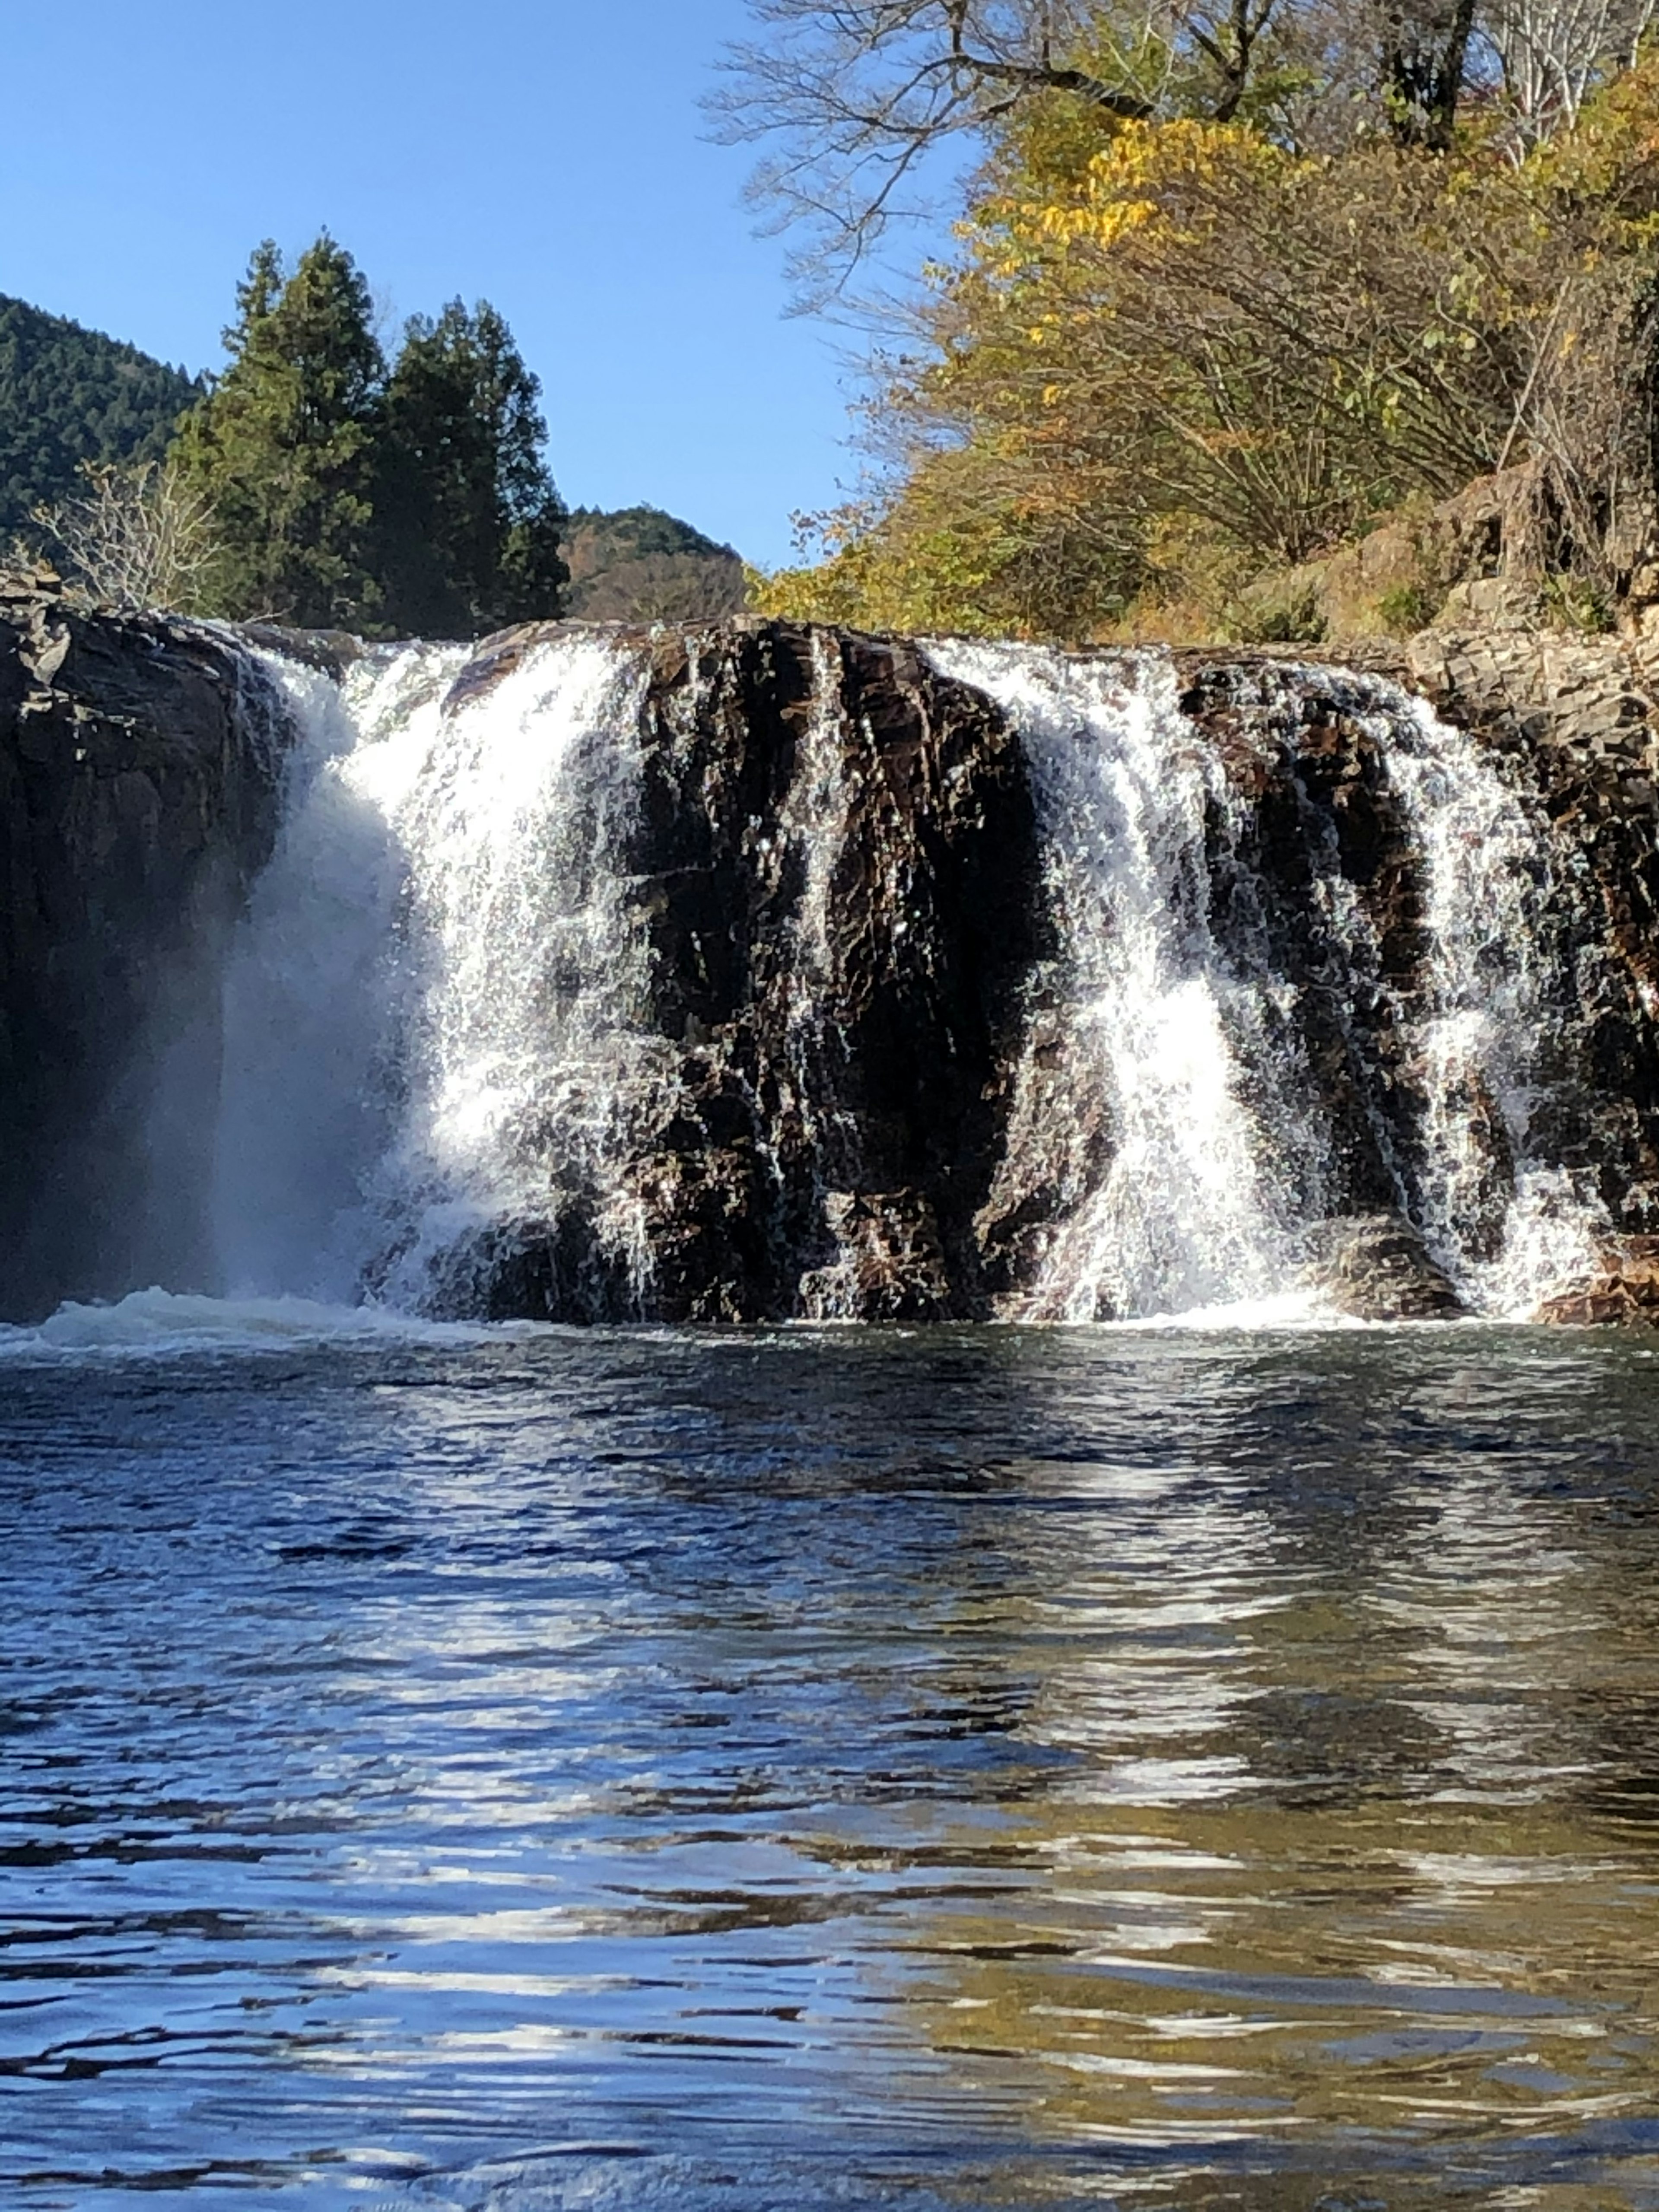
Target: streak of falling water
1509	1226
1197	1205
435	1009
817	814
1179	1151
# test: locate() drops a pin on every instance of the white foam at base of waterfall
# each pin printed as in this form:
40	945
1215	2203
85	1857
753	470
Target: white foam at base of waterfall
157	1321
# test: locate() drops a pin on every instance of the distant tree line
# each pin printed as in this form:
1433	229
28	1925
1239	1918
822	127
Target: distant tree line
638	564
316	481
320	483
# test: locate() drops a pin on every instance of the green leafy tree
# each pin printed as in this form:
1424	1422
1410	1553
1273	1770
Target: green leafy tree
469	522
283	448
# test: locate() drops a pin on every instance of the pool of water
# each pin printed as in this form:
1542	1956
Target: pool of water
996	1768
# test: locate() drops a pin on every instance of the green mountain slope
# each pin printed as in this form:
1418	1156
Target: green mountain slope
639	564
68	395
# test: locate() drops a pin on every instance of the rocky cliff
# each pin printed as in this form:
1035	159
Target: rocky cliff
870	1100
874	1070
138	796
1572	725
832	869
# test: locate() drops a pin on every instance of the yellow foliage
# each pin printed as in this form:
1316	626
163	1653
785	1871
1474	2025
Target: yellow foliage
1180	334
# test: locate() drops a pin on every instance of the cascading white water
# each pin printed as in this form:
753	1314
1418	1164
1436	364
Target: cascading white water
1486	871
433	1014
306	1088
437	1024
1215	1155
1198	1205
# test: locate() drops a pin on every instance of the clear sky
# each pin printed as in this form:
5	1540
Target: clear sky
548	155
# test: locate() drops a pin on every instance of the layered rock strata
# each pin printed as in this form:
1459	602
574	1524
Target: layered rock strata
1622	1288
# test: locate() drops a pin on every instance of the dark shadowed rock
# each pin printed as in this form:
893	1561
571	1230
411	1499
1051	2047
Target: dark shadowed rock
138	796
1375	1266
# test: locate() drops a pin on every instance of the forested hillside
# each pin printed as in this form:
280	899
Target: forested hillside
68	395
323	478
638	564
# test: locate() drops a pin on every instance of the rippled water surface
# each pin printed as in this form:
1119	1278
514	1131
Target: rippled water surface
962	1769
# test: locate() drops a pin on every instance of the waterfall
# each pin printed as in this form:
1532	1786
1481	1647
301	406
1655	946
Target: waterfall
448	1083
430	1019
1509	1225
815	816
1201	1183
1189	1155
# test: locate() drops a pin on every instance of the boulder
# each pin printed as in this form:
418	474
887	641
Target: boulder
1377	1267
1622	1289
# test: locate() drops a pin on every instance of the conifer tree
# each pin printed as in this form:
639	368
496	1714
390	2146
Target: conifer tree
283	449
469	521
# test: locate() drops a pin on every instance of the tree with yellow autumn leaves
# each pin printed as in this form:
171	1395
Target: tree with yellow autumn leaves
1201	332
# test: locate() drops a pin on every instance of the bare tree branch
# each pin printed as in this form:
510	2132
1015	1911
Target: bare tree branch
857	98
1554	52
136	538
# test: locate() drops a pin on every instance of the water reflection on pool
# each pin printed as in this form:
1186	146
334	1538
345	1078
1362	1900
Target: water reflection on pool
993	1768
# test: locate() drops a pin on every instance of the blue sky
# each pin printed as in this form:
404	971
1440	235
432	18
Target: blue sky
546	155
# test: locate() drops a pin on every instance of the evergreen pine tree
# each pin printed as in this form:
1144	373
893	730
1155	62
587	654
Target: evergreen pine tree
469	520
283	447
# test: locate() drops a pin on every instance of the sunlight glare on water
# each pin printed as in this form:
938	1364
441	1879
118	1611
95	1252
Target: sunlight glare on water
465	1768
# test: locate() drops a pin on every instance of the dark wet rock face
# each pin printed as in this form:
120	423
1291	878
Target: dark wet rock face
835	859
1377	1266
137	799
1570	728
1573	725
1315	807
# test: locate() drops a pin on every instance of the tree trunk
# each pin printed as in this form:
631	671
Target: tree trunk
1425	53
